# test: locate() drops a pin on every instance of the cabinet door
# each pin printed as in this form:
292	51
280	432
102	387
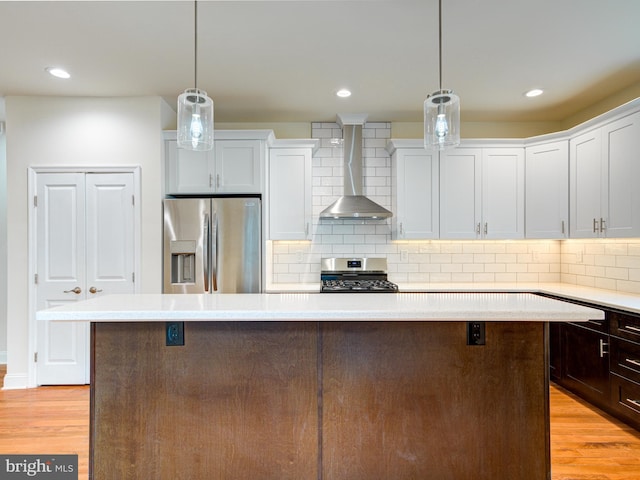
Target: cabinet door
621	204
585	184
586	363
547	190
188	171
417	195
460	193
503	193
289	193
238	166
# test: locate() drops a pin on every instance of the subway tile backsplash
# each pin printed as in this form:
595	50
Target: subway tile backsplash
608	264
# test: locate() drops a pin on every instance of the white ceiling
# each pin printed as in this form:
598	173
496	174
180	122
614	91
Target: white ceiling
282	61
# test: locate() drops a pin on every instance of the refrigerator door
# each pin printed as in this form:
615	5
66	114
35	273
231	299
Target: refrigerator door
235	245
186	223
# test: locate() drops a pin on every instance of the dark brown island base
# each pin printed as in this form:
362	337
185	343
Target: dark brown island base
308	400
320	387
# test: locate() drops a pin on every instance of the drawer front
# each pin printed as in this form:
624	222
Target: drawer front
625	399
625	359
601	326
625	326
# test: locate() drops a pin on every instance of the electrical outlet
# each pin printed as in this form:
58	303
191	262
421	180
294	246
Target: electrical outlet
175	334
475	333
404	255
299	256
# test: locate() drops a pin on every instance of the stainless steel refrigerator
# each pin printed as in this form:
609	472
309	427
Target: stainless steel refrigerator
212	245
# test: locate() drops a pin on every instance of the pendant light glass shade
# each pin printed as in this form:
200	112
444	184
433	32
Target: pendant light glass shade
441	120
195	120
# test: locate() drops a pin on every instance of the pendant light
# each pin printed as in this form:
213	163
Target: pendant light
195	109
441	109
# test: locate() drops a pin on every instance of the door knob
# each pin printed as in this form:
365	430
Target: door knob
76	290
95	290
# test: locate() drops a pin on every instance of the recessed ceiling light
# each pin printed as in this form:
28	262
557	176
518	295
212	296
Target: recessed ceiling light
534	92
343	93
58	72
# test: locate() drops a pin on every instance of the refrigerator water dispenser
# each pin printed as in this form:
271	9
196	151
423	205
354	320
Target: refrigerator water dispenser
183	261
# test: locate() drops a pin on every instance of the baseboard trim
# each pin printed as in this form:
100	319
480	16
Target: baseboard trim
15	381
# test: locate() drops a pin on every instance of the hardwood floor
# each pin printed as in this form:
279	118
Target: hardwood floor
586	444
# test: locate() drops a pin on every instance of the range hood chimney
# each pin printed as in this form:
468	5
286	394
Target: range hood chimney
353	204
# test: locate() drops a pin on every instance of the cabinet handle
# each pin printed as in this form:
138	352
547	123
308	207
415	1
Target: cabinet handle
95	290
401	229
486	228
603	225
603	344
478	229
632	328
306	229
217	180
595	226
562	227
210	180
634	402
76	290
632	361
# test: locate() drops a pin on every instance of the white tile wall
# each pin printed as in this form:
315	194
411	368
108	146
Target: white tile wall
611	264
602	263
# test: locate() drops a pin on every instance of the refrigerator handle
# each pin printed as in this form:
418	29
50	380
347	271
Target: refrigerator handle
205	252
214	252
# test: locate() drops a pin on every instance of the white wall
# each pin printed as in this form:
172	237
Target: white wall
3	239
56	131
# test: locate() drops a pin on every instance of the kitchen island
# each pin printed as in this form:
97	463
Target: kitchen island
330	386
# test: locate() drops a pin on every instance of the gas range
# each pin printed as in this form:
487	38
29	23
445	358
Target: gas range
355	275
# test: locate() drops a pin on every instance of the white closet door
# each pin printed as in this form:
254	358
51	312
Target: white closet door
60	217
110	237
85	237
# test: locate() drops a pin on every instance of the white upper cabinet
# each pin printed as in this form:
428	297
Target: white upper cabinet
604	172
482	193
235	165
503	193
415	186
460	193
188	171
547	190
585	184
289	193
239	166
621	143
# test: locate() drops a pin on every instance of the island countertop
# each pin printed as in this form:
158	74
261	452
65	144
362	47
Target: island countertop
500	307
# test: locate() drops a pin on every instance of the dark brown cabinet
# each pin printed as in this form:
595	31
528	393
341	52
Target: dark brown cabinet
625	367
585	362
600	362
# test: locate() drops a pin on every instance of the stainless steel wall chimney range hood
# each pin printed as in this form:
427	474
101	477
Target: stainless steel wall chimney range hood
353	204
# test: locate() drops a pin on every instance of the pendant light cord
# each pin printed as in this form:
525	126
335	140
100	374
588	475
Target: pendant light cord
195	44
440	41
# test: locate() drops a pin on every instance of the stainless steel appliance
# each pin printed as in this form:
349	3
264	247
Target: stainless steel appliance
212	245
351	275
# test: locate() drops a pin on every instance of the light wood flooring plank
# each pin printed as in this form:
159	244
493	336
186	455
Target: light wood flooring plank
586	444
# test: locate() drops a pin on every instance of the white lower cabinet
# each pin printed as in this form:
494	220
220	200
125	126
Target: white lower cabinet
604	172
482	193
289	192
547	190
415	188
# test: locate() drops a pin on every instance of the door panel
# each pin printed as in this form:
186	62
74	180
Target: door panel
110	241
61	273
